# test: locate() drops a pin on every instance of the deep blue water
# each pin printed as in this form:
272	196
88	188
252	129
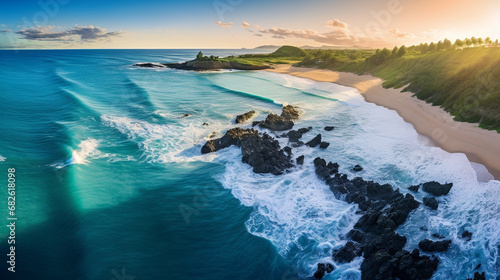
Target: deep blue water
110	179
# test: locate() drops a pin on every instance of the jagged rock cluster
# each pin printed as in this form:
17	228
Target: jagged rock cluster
383	208
374	236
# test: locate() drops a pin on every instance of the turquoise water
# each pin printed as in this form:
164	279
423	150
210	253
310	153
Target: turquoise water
110	178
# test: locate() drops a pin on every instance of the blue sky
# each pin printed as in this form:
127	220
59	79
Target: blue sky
193	24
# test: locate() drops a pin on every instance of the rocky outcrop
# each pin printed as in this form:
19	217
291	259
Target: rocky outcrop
260	151
232	137
264	154
283	122
436	188
427	245
431	202
276	123
329	128
374	235
300	160
414	188
315	141
150	65
478	276
245	117
357	168
467	235
348	252
322	270
201	65
290	113
324	145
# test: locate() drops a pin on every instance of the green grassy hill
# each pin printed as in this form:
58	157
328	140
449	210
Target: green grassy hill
464	82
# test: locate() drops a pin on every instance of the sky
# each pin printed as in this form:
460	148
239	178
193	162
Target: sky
204	24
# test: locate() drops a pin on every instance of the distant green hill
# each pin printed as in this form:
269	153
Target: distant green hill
289	51
464	82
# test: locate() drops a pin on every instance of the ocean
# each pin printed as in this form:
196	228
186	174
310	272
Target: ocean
111	183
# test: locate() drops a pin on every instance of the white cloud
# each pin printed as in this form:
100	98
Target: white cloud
336	23
224	25
400	35
245	24
47	33
341	35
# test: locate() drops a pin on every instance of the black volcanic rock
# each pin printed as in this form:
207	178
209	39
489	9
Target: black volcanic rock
322	270
467	235
295	135
315	141
436	188
232	137
245	117
478	276
427	245
357	168
290	113
300	160
262	152
203	65
431	202
324	145
287	150
276	123
329	128
384	209
348	252
150	65
414	188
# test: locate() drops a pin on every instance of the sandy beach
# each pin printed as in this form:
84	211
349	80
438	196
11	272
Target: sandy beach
480	145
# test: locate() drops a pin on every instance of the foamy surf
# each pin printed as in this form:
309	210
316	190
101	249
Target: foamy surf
87	149
299	215
2	158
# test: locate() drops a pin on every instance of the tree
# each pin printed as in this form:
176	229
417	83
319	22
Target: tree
402	51
468	42
199	56
496	43
432	47
473	41
459	43
487	41
395	51
480	41
440	45
447	44
424	48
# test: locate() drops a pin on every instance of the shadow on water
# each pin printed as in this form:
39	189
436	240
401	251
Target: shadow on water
181	230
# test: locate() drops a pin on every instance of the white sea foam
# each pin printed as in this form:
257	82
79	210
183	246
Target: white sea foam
87	149
300	216
296	211
2	158
162	143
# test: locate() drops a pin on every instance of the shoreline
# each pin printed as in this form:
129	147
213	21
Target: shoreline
479	145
